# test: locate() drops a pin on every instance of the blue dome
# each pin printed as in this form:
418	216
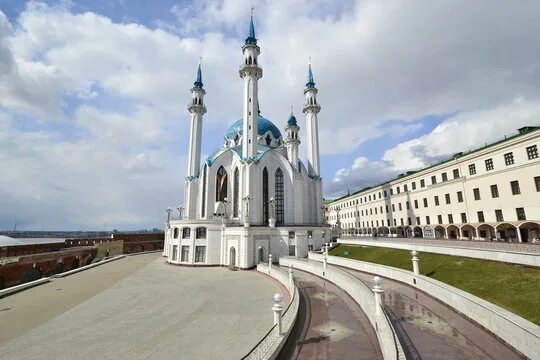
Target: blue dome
265	125
292	121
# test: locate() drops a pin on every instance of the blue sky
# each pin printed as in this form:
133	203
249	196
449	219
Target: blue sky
93	94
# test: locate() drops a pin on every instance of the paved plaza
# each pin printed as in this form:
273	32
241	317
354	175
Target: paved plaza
140	308
472	244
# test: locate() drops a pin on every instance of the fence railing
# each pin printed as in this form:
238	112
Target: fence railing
270	345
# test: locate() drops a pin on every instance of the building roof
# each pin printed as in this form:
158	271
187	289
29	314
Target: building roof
198	81
251	39
292	121
521	131
261	150
264	125
310	83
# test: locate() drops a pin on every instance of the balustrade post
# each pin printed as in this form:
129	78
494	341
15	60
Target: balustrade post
377	290
277	308
415	260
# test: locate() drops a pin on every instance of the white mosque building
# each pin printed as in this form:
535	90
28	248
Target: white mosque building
253	196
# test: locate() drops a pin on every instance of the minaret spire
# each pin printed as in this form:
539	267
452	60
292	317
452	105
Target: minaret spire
251	39
311	109
251	72
198	81
196	110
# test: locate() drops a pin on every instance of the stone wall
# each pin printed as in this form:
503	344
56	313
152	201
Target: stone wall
20	269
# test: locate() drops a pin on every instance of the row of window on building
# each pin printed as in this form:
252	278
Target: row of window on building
200	253
520	214
200	233
514	187
532	153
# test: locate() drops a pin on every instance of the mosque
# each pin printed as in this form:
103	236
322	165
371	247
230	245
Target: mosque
253	197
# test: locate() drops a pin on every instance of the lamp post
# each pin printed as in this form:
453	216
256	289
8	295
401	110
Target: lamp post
272	218
180	209
168	210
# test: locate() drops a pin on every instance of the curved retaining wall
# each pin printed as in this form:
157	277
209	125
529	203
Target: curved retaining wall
485	254
388	341
521	334
271	344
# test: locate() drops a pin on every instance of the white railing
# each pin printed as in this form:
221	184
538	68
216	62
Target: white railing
271	344
390	346
518	332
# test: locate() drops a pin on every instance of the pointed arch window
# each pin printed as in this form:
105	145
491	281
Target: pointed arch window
280	197
236	187
203	197
221	184
265	195
268	139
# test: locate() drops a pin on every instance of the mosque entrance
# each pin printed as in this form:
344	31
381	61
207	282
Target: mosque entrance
260	256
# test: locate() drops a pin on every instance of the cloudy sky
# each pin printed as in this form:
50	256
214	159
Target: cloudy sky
93	94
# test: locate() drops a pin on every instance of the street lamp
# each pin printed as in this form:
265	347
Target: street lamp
180	209
272	219
168	210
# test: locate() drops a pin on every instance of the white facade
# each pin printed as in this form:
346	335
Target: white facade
253	196
490	193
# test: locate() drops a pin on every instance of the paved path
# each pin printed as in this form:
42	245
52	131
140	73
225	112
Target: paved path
330	324
431	330
473	244
159	312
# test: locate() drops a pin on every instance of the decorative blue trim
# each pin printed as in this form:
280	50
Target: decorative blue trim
310	84
198	82
251	39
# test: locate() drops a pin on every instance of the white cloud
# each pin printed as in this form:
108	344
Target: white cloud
459	133
124	87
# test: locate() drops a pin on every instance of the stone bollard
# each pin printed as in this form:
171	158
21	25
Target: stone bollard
270	262
277	308
415	261
291	280
377	290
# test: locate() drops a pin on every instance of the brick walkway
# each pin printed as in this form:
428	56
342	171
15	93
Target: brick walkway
500	246
159	312
330	324
430	330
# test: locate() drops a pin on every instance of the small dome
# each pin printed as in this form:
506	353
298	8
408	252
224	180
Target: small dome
292	121
264	126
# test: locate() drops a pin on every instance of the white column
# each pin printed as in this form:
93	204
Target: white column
277	308
518	234
291	278
270	262
415	261
377	291
194	160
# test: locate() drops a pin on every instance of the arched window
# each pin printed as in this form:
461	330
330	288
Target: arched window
175	234
265	196
203	197
268	139
221	184
280	209
236	192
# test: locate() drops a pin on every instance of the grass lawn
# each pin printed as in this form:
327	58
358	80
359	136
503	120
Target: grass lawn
513	287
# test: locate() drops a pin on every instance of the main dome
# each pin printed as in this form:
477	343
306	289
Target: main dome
264	126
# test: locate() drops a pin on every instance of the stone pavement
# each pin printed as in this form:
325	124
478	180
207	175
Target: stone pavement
159	312
330	324
429	329
473	244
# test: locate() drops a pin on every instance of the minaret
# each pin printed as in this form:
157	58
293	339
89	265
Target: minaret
196	109
311	109
251	72
292	141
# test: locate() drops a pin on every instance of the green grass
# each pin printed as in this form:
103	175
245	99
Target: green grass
513	287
